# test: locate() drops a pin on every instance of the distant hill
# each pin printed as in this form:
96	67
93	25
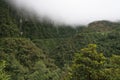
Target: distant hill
103	26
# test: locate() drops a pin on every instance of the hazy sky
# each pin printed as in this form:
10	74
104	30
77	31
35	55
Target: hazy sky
72	11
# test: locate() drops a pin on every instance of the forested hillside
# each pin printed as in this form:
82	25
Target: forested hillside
41	50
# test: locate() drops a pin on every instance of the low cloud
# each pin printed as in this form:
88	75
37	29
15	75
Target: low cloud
73	12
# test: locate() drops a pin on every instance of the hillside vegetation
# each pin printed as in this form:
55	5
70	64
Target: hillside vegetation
40	50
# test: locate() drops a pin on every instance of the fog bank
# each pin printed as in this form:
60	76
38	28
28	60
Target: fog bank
71	11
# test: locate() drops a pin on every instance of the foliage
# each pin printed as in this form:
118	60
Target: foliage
90	65
23	58
9	30
49	52
3	74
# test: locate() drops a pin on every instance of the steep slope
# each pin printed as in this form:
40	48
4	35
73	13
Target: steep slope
24	59
8	28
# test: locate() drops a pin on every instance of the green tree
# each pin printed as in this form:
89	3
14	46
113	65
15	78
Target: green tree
3	75
44	73
88	64
9	30
114	68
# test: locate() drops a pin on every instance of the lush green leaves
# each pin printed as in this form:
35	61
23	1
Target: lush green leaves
90	65
3	74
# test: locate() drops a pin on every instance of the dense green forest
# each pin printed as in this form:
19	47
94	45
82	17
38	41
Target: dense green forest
40	50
